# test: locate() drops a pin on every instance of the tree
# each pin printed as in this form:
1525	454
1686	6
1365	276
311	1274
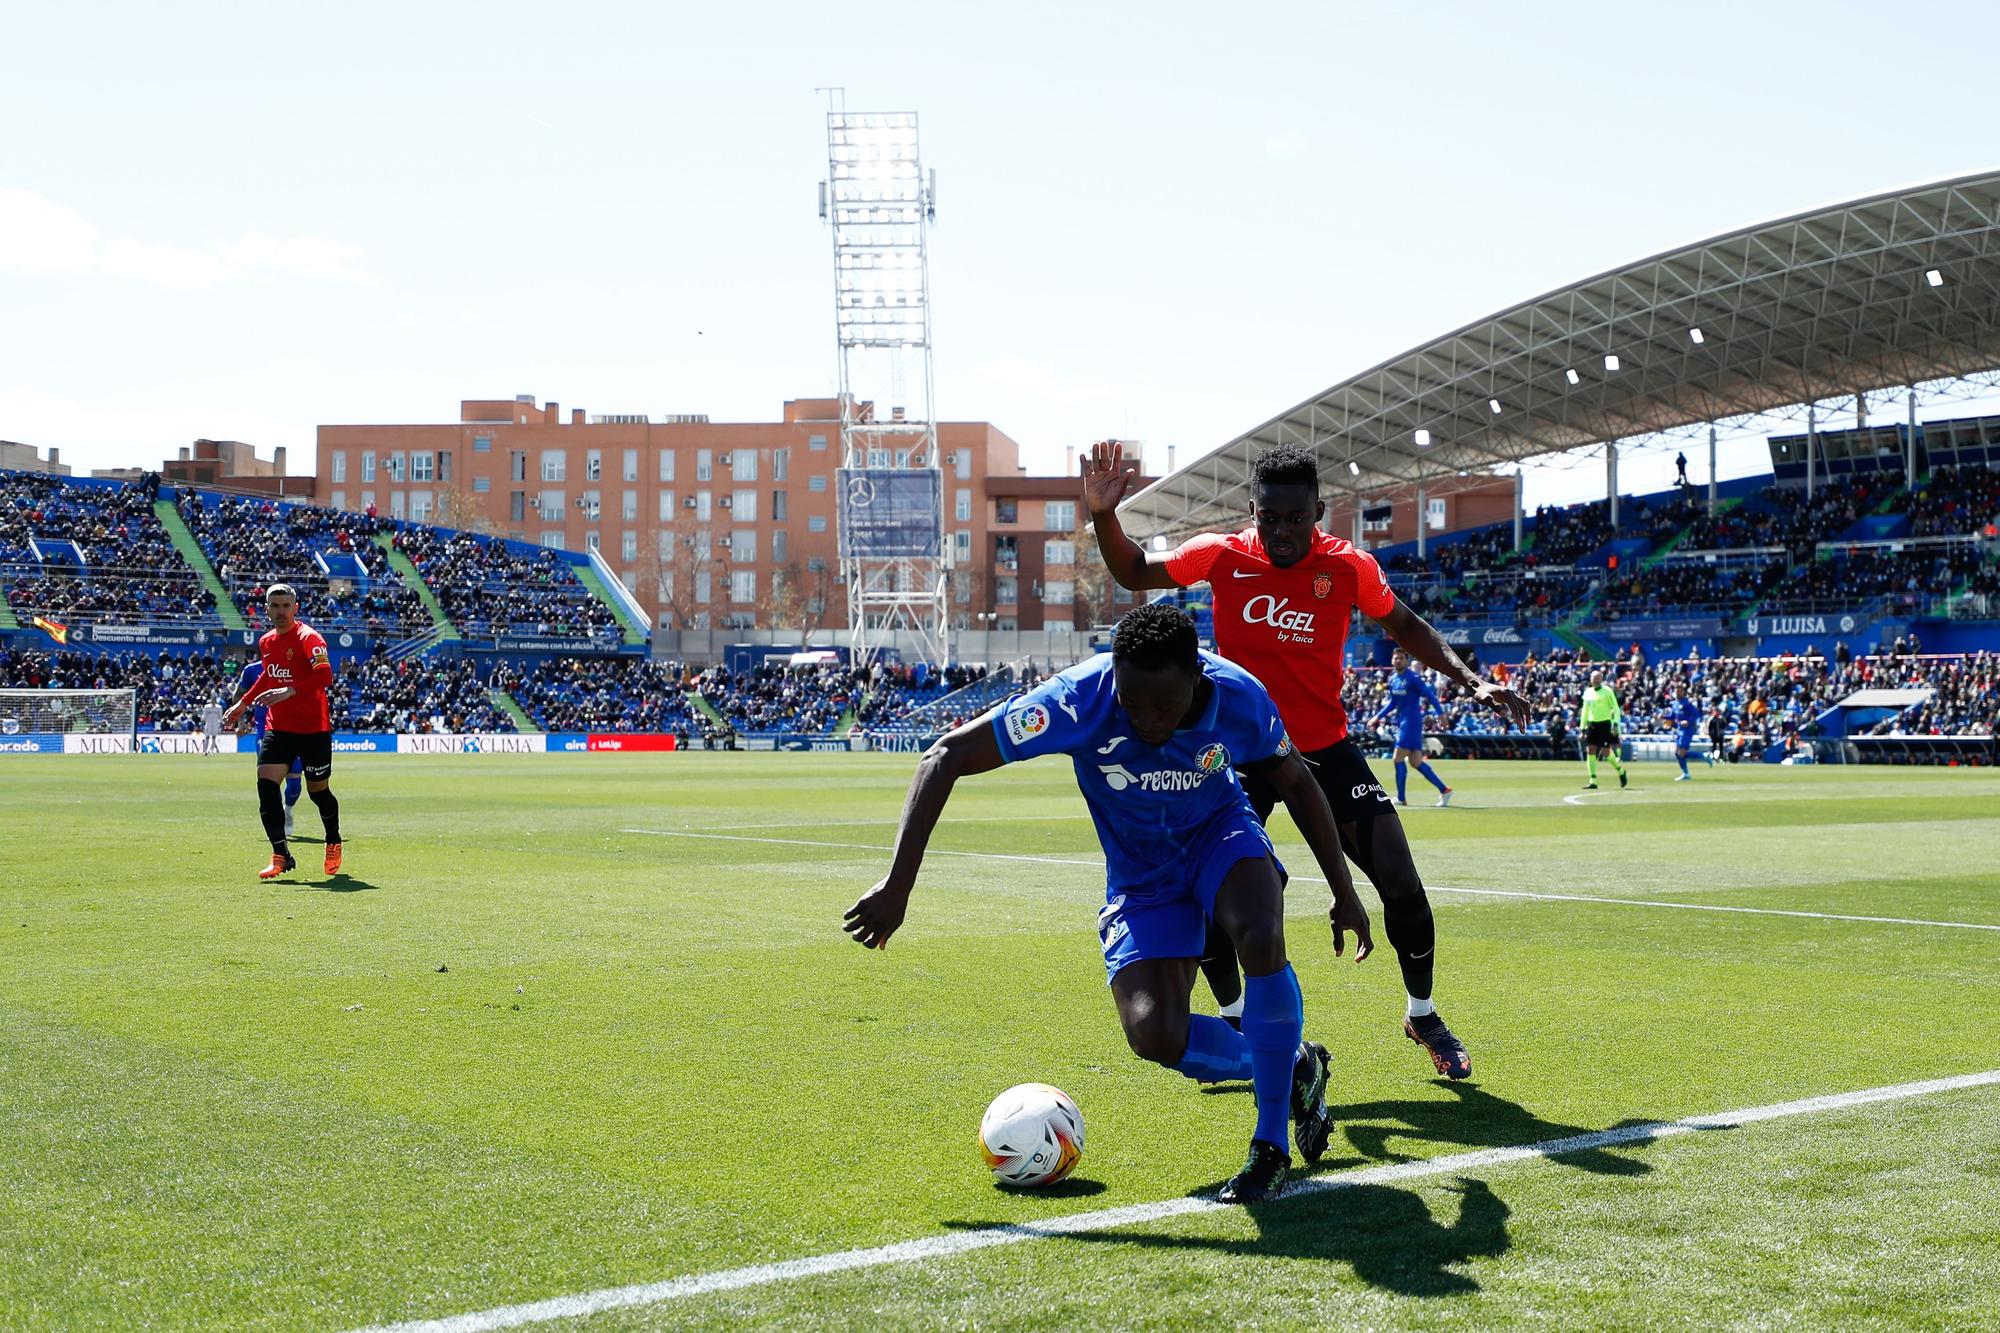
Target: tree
797	597
1092	601
461	509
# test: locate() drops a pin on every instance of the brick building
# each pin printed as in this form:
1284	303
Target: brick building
718	525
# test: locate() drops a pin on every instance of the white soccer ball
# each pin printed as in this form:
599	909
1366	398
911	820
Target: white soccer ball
1032	1135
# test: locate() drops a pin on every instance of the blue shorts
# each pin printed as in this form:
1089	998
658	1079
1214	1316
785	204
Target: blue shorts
1410	737
1684	740
1151	922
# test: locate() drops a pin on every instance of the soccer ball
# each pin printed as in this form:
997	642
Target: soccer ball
1032	1135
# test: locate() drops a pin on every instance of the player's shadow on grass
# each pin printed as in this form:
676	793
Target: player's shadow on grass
336	884
1477	1119
1388	1236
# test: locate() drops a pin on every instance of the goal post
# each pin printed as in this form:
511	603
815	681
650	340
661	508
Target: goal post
69	713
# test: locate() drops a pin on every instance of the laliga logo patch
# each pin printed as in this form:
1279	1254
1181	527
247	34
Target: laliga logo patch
1024	724
1284	743
1322	584
1213	759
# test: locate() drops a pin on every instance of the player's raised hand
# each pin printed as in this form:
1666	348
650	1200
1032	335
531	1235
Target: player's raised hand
276	696
1346	913
1107	475
876	915
1508	702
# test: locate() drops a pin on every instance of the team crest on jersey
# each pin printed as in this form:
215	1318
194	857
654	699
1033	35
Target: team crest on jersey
1213	759
1284	744
1024	724
1322	584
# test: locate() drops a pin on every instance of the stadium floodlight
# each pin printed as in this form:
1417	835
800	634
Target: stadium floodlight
1353	468
1494	403
1611	361
1694	336
1572	376
1422	437
1934	278
1159	541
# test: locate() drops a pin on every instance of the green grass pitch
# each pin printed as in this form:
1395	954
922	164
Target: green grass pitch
525	1051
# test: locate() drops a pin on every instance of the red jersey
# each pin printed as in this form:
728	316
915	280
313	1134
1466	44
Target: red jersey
297	657
1287	627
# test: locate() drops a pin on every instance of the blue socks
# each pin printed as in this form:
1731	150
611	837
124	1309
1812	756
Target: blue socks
292	791
1274	1022
1434	779
1216	1052
1402	781
1682	760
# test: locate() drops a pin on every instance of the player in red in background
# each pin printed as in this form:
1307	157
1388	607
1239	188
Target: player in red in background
1282	591
297	670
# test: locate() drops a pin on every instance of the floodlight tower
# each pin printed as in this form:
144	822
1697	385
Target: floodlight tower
880	203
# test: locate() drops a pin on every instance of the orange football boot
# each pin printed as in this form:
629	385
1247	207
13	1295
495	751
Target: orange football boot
333	858
279	865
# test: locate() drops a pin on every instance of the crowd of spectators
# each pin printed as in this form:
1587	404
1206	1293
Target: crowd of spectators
604	694
131	573
1782	516
1952	501
488	587
806	700
1679	588
434	694
255	542
1913	578
169	690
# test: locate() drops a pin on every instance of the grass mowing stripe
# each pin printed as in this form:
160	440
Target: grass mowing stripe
1312	879
588	1303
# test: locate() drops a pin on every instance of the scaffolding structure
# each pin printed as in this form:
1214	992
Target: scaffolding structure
879	203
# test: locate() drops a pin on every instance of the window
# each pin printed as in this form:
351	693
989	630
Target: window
961	585
628	505
628	546
743	545
816	484
963	459
704	466
704	544
555	465
593	503
663	544
631	471
630	578
878	458
517	465
743	506
1058	592
1007	510
745	465
778	546
816	524
397	467
743	585
1055	552
667	514
593	465
666	465
816	564
1007	552
781	465
1006	589
961	509
816	443
517	506
481	485
590	542
703	584
703	506
777	506
395	504
367	465
420	506
367	499
1435	509
1061	516
961	548
444	465
482	444
420	466
552	540
340	499
340	465
550	504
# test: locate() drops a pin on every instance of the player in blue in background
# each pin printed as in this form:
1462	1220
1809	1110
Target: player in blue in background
1154	730
1410	697
246	685
1685	715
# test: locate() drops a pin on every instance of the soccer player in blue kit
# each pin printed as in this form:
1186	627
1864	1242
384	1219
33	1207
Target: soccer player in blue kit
260	720
1155	729
1410	697
1685	714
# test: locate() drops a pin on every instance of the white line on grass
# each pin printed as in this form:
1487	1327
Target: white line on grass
946	1246
1312	879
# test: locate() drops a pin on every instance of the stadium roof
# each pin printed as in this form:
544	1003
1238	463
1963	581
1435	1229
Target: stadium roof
1893	290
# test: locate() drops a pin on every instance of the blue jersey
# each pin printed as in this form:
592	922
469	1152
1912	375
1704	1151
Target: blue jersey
1685	714
247	681
1154	806
1409	695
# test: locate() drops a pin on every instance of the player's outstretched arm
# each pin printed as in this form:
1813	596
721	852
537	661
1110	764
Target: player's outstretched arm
1420	641
970	749
1106	478
1309	810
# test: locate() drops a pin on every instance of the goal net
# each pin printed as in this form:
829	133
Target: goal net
68	712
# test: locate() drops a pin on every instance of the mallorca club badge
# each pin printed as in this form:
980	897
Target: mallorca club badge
1322	584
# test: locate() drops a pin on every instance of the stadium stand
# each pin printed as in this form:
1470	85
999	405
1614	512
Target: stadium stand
77	553
604	694
170	689
414	695
776	699
491	587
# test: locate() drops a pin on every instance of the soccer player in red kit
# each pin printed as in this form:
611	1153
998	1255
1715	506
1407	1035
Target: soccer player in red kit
1282	591
297	671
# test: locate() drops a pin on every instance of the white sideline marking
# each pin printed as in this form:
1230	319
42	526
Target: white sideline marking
950	1244
1313	879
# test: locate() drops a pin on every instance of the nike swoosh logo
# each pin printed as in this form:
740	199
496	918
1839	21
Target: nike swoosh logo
1246	573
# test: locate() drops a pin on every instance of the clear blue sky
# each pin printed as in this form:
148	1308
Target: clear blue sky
1161	221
